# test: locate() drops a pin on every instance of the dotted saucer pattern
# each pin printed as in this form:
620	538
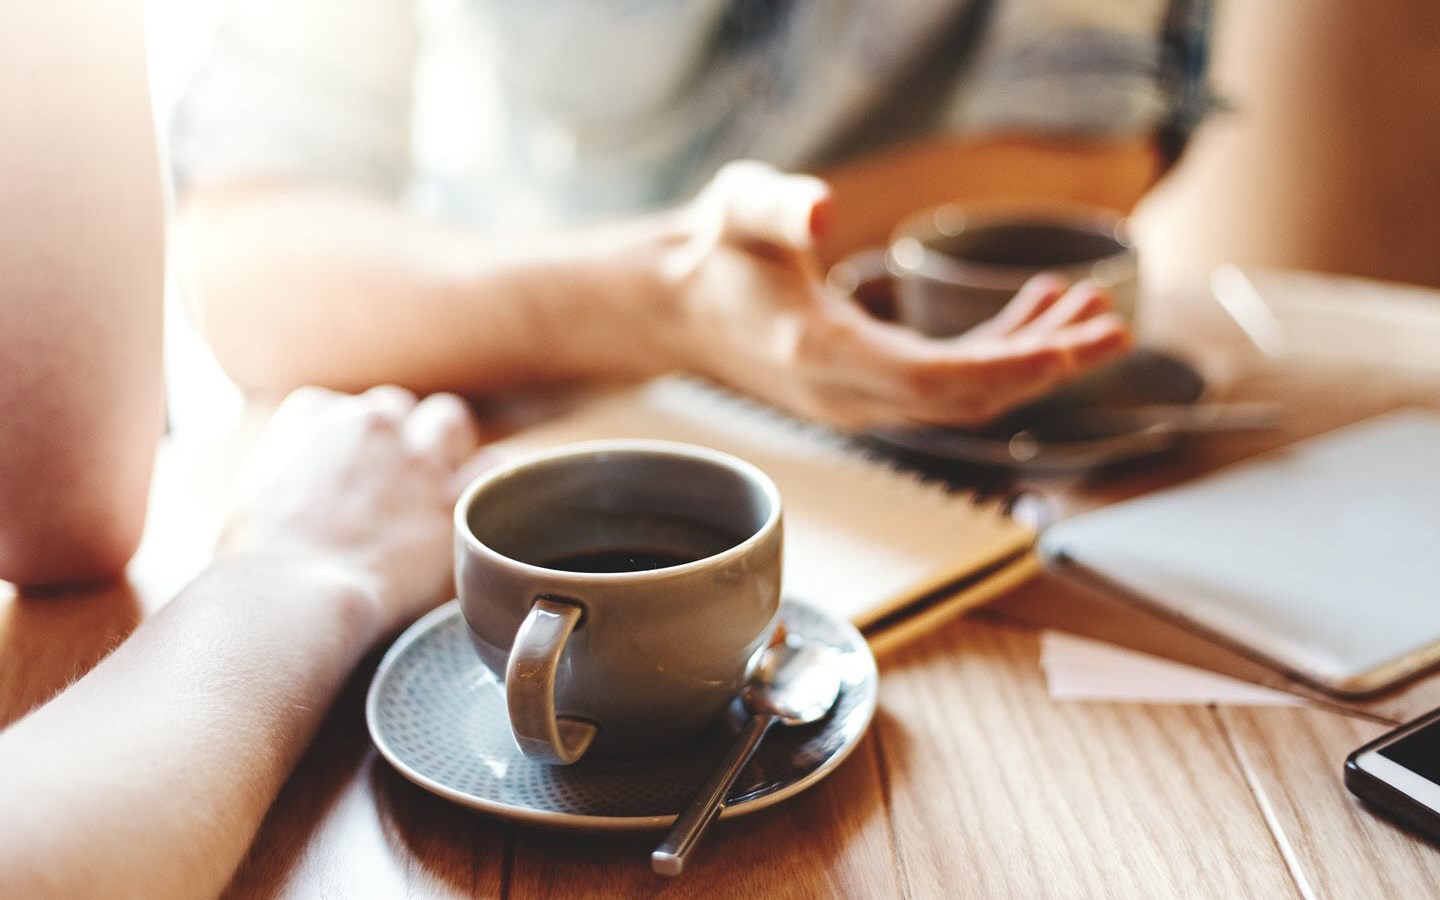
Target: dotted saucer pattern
438	715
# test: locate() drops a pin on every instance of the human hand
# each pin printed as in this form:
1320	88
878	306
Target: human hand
364	484
759	317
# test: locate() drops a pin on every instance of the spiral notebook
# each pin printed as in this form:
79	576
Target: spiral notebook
895	554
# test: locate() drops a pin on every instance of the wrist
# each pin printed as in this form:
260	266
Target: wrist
584	303
646	304
673	298
309	589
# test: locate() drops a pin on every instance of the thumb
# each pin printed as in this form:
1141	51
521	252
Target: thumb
760	203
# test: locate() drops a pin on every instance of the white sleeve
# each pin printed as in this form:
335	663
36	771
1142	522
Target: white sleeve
314	89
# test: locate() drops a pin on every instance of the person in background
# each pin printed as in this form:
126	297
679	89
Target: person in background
477	196
149	776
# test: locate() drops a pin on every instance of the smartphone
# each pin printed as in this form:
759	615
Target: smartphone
1398	774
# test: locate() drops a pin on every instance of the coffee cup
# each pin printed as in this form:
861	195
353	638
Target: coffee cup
953	267
620	589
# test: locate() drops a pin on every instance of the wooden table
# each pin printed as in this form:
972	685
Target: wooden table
972	783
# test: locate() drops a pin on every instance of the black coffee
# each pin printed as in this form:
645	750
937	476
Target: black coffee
1028	245
619	560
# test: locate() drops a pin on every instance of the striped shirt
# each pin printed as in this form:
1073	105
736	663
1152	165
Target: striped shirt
545	111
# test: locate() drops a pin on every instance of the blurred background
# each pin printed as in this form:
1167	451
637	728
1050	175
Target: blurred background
1324	156
1328	157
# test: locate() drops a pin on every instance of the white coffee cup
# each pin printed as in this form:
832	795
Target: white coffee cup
621	589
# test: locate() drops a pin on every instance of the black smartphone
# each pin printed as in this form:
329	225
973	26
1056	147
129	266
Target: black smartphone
1398	774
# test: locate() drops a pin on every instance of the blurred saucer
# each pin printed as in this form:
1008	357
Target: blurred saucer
437	714
1097	421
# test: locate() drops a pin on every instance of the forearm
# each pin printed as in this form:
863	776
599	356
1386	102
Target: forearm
874	193
298	285
149	776
81	286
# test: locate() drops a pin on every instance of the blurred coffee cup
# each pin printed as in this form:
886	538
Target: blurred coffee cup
952	267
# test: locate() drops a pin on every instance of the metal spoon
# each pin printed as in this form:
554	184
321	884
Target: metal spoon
1094	436
1176	418
795	683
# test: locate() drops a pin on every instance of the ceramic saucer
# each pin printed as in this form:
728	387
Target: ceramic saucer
438	715
1055	434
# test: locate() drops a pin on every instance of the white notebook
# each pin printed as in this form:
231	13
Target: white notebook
1321	558
891	552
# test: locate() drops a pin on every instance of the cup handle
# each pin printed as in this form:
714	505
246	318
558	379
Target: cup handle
864	276
530	685
850	273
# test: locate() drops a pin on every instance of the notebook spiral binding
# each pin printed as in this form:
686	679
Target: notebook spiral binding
684	394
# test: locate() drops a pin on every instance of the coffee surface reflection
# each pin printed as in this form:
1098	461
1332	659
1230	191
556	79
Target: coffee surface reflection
620	560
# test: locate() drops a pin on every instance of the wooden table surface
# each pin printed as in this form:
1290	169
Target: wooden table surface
972	782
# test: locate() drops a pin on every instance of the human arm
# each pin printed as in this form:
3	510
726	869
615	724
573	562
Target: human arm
298	283
150	775
81	286
334	136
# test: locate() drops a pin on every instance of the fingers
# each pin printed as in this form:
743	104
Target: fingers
442	427
1084	300
303	401
757	202
1052	340
1016	370
391	402
963	382
1037	295
1093	341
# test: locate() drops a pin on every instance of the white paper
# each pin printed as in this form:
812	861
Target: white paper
1078	668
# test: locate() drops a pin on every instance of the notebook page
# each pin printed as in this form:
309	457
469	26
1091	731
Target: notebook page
862	539
1317	558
